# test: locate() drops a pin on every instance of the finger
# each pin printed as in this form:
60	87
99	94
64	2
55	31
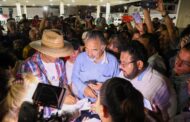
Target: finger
93	94
156	108
91	85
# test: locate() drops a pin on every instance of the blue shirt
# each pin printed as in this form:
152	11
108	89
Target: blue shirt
85	69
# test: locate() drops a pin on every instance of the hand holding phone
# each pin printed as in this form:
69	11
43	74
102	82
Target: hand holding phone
137	17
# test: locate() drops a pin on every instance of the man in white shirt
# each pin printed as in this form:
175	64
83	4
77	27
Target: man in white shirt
153	85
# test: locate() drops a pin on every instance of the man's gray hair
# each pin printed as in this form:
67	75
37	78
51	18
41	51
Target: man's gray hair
95	34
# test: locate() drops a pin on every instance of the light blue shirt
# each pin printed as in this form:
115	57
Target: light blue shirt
85	69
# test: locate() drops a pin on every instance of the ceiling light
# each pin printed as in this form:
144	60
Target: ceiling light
4	0
68	4
89	4
73	1
50	0
27	1
45	8
101	0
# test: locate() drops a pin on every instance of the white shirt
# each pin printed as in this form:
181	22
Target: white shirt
155	88
69	70
51	73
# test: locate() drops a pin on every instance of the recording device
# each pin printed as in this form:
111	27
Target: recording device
49	96
137	17
127	18
92	82
152	4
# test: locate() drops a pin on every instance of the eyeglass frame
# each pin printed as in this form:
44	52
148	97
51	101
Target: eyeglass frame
183	62
127	63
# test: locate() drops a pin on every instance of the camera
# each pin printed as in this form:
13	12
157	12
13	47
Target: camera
152	4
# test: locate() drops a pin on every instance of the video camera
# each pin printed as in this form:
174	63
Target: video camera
152	4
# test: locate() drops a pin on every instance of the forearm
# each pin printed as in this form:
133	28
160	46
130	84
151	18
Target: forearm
169	25
148	20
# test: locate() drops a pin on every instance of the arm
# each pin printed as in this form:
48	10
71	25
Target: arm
76	79
130	27
167	19
161	99
81	89
42	23
148	20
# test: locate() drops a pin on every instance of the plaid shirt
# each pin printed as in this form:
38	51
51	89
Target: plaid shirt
35	66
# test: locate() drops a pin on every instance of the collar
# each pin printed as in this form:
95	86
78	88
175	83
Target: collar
142	74
105	58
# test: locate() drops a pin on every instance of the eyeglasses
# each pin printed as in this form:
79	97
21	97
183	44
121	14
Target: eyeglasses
126	63
181	61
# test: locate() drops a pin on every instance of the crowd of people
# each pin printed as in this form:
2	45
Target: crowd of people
115	68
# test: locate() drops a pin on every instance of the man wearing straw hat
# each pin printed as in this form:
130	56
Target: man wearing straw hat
45	63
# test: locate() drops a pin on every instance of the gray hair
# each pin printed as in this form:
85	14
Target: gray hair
95	34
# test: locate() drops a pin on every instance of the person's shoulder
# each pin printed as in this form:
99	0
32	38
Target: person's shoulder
31	59
82	55
111	57
157	76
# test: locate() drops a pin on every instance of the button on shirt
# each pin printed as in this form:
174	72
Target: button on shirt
85	69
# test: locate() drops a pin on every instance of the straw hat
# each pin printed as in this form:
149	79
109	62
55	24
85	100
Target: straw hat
52	44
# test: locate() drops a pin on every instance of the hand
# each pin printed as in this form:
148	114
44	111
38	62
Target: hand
156	114
96	86
139	27
160	5
18	80
89	92
85	119
69	99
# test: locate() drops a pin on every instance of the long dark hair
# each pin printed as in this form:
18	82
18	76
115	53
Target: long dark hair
123	101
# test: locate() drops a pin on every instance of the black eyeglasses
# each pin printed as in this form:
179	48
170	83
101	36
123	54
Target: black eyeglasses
126	63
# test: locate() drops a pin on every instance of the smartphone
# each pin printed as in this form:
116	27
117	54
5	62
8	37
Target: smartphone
147	104
92	82
137	17
127	18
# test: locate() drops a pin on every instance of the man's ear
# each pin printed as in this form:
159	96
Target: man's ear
103	47
104	111
140	65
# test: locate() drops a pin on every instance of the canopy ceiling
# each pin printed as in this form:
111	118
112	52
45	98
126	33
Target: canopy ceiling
66	2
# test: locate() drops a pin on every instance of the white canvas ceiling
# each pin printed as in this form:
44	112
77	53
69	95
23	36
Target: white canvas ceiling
66	2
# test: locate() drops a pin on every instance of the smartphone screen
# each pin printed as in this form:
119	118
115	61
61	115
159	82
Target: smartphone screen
137	17
147	104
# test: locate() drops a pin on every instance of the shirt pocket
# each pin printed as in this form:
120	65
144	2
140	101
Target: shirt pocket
83	74
107	73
